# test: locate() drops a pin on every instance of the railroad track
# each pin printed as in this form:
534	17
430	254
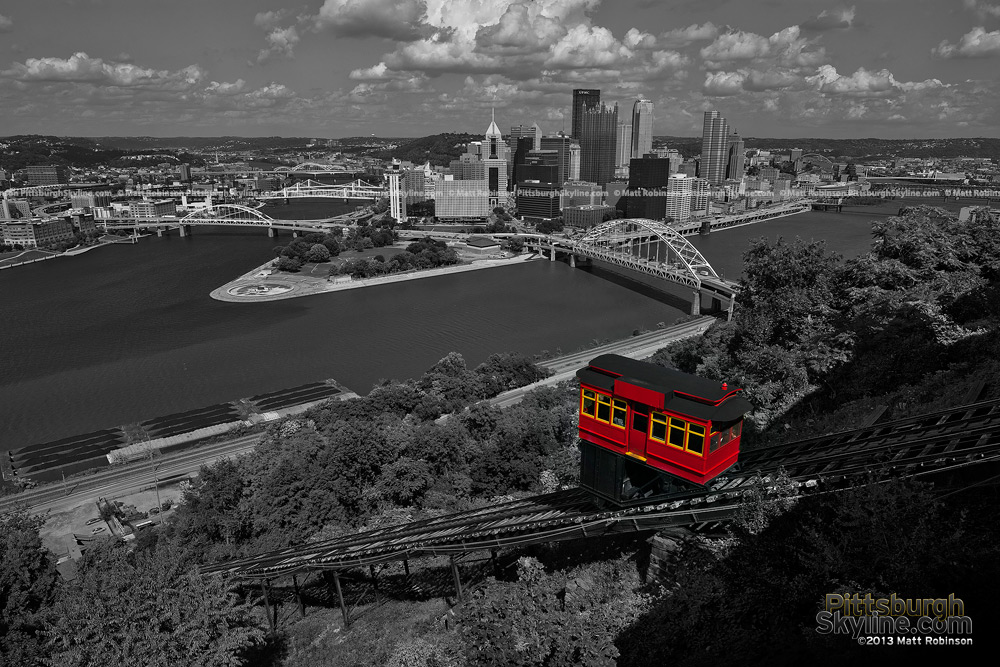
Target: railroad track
943	440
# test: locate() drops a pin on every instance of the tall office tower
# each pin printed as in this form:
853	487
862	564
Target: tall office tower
679	197
522	131
714	142
700	196
184	173
642	127
623	148
796	153
568	149
735	157
573	163
583	98
522	147
397	200
598	128
647	183
495	157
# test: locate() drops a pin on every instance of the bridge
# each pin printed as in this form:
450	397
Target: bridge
648	247
314	168
235	215
357	189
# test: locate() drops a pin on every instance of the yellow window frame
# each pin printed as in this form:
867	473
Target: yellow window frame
588	395
619	406
687	439
605	401
658	418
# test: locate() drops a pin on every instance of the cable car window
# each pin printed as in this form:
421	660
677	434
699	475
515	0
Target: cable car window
715	442
658	427
588	405
619	412
677	432
603	408
737	427
696	439
640	422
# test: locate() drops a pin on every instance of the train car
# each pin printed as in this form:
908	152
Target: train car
643	427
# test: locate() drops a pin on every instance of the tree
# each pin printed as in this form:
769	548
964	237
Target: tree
289	264
141	608
318	254
27	583
515	244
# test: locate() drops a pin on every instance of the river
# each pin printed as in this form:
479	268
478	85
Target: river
126	333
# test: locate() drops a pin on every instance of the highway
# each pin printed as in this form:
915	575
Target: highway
117	482
636	347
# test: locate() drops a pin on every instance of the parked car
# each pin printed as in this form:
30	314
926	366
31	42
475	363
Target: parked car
99	529
155	510
91	522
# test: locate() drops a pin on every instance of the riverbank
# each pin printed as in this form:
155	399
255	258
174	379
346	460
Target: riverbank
261	284
22	257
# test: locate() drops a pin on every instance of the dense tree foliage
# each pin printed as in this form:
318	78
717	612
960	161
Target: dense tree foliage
27	586
758	597
807	320
126	608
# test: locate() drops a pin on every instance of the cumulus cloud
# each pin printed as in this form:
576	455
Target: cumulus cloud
391	19
831	19
280	42
693	33
983	10
587	46
82	68
270	19
223	88
786	48
722	84
5	24
977	43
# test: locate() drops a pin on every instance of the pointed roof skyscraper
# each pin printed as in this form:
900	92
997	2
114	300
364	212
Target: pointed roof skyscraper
493	130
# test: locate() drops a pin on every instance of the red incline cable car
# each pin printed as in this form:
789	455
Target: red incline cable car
641	424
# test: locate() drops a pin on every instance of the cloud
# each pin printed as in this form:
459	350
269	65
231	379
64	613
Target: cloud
234	88
390	19
982	9
6	25
977	43
786	48
830	19
587	46
722	84
693	33
280	42
82	68
269	20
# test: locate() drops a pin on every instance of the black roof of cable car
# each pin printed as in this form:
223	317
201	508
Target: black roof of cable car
667	381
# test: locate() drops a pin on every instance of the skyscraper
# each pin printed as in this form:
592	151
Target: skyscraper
564	145
495	157
642	127
679	197
521	131
583	98
397	199
735	156
714	142
623	148
598	129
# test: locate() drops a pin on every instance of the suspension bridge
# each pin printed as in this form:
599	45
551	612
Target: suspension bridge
357	189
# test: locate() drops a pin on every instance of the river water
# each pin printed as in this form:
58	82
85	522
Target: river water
126	333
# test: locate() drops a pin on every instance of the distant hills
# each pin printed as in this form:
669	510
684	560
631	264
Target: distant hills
870	148
438	149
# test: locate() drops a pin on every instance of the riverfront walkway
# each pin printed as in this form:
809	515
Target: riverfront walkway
260	285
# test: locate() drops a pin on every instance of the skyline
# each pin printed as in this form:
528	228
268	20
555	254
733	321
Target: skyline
340	68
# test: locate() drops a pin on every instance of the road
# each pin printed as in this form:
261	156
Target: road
117	482
637	347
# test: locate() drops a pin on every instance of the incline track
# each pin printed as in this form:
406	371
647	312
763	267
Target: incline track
933	442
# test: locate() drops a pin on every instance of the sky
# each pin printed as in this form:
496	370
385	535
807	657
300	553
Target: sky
337	68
